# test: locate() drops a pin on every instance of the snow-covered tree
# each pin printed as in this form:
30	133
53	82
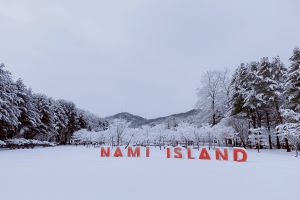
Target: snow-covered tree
24	114
241	127
117	131
9	110
71	113
256	94
290	130
269	89
213	95
257	136
293	81
45	110
29	119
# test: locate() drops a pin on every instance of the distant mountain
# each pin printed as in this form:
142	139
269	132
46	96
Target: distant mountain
135	120
192	116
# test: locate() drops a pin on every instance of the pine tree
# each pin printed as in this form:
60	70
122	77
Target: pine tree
29	117
266	92
72	116
35	116
292	86
9	111
252	102
279	75
46	114
236	93
61	120
293	81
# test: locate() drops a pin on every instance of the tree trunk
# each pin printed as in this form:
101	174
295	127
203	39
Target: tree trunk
278	113
269	130
287	145
214	119
244	144
278	142
270	142
280	121
259	118
118	140
253	118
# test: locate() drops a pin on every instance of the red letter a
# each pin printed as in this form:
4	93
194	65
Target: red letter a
118	152
204	155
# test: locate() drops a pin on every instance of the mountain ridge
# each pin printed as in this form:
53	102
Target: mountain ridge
137	121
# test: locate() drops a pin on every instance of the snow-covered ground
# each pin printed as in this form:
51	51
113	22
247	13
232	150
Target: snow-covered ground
77	173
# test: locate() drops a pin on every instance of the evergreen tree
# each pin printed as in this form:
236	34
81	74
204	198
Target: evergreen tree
46	115
29	117
36	116
9	111
279	75
293	81
237	91
72	116
61	120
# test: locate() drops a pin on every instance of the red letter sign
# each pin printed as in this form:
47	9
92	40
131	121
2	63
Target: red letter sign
177	152
105	152
220	155
204	155
118	152
236	152
135	153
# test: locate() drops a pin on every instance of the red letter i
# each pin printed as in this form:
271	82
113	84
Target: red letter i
147	152
168	153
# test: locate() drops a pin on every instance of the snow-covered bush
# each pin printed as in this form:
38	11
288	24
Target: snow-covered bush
84	136
21	142
184	134
2	143
290	129
257	136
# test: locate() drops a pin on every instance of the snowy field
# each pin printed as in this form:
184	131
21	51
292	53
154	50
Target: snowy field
77	173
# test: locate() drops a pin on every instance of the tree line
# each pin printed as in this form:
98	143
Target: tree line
24	114
261	99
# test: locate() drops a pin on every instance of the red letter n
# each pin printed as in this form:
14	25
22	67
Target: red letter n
105	152
220	155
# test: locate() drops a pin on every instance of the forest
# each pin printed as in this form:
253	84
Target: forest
25	114
255	106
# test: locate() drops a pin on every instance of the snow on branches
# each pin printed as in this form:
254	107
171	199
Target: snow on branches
291	128
185	134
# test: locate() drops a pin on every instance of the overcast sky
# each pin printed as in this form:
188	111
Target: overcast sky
141	56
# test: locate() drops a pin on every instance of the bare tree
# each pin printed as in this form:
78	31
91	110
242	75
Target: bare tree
214	94
117	130
197	138
241	126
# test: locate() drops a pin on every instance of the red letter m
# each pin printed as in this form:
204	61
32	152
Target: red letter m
134	153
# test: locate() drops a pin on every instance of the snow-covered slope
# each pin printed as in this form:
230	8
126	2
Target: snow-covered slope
192	116
133	119
76	173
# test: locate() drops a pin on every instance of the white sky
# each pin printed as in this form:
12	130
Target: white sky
141	56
